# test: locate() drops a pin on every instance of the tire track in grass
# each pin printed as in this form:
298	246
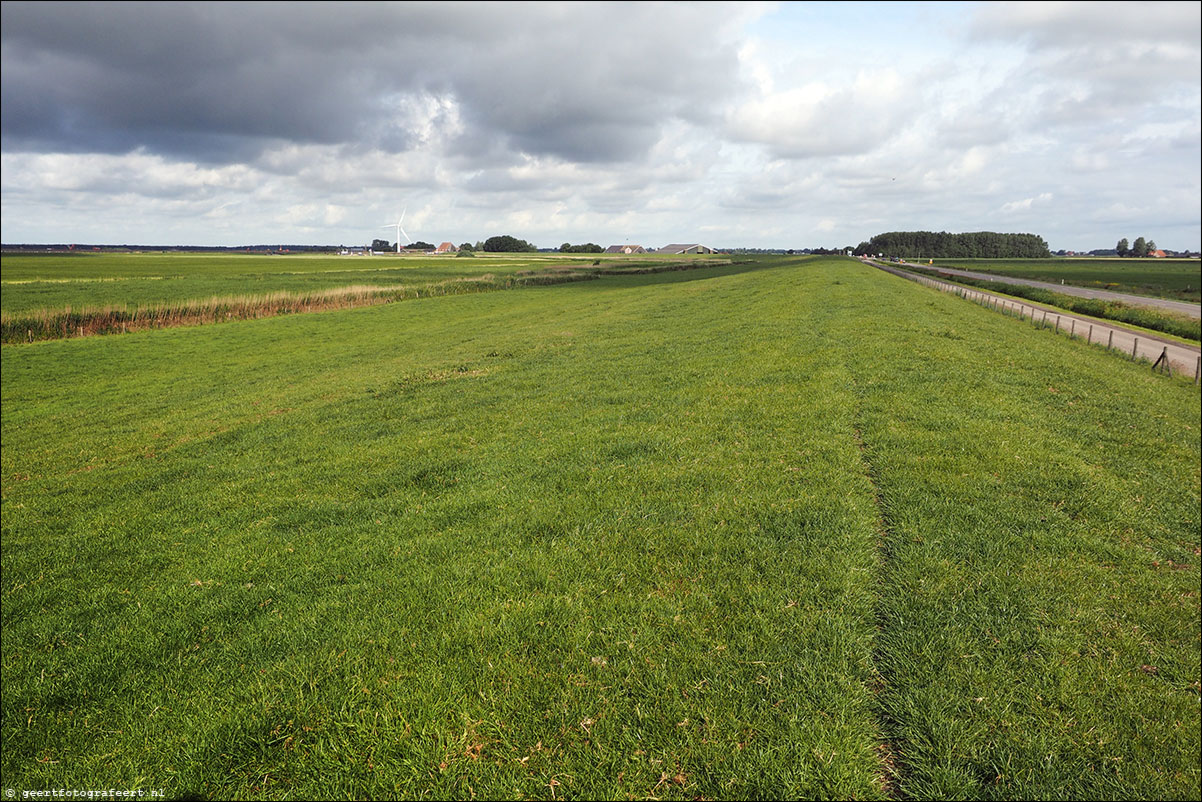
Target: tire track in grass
1017	608
889	777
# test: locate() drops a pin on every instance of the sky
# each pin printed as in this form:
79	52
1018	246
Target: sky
788	125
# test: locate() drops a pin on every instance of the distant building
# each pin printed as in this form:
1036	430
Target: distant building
625	249
679	248
1158	254
446	247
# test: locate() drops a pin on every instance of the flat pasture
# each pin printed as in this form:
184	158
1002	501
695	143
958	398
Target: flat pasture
1177	279
56	295
727	533
90	281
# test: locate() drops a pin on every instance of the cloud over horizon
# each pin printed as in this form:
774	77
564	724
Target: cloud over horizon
738	124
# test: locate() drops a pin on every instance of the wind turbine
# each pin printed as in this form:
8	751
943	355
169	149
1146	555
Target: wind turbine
399	230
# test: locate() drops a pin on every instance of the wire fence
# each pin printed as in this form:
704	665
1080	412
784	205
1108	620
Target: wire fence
1163	355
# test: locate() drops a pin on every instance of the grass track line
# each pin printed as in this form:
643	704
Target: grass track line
889	778
1029	616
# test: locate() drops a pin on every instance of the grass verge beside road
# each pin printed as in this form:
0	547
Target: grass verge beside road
1177	279
1157	320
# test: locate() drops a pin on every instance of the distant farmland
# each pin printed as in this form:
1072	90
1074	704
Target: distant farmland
55	296
1179	279
56	282
794	528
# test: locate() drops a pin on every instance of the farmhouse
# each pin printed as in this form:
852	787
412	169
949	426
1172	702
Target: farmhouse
625	249
446	247
685	248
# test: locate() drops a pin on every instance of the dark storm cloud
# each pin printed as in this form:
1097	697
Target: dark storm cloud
218	82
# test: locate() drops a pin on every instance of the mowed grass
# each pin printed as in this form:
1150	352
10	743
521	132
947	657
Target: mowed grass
1178	279
723	533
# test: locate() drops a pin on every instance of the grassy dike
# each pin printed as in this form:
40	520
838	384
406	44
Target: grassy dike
1040	610
722	533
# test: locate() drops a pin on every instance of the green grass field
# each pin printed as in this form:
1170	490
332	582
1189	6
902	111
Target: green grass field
723	533
78	281
1178	279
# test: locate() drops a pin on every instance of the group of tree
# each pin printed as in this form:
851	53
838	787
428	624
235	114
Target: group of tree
1139	249
588	247
385	245
507	244
969	245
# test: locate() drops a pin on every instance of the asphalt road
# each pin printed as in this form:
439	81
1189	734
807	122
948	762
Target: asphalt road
1180	307
1138	344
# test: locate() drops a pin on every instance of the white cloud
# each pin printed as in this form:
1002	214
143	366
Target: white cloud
1026	203
758	125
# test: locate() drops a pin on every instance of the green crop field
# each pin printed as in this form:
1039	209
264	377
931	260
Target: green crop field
789	529
1178	279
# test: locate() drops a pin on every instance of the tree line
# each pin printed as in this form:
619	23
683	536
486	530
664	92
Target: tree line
499	244
969	245
1139	249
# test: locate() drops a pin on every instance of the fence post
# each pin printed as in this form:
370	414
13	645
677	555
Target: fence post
1134	346
1091	332
1197	369
1057	324
1164	358
1073	330
1110	340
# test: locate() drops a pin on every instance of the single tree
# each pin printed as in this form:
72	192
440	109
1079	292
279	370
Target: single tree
380	245
467	246
1151	247
1123	248
1140	248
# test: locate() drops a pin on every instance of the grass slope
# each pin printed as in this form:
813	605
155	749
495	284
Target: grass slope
716	533
1040	623
1178	279
1146	317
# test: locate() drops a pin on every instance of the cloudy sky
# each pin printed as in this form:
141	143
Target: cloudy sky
769	125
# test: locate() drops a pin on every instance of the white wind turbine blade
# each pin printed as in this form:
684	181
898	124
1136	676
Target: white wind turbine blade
400	231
